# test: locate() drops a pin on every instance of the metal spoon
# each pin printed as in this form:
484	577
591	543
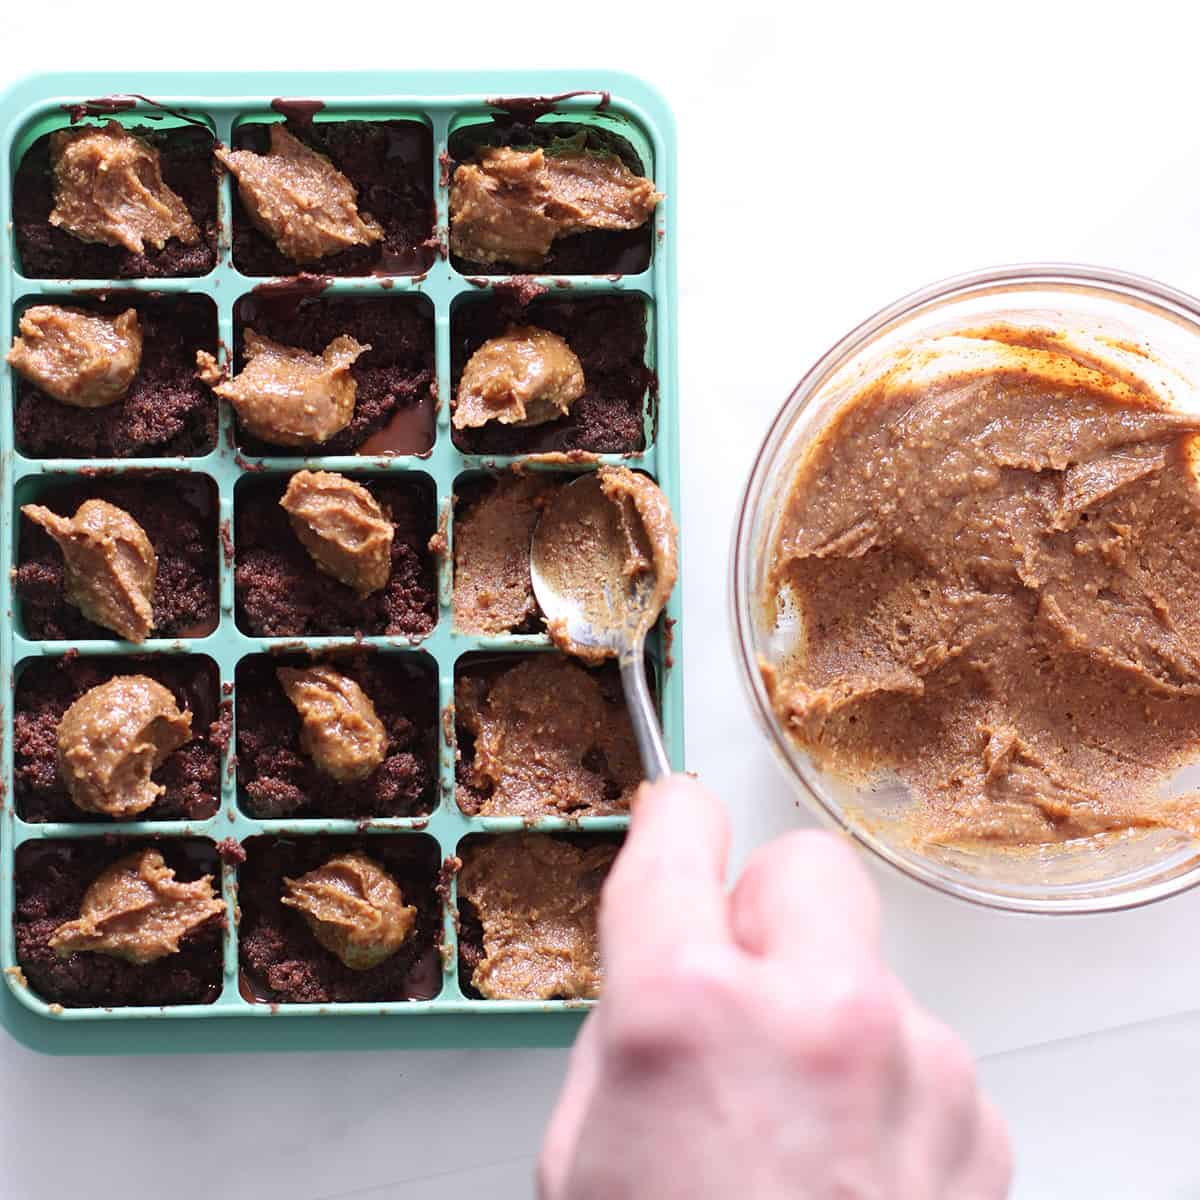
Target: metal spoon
626	639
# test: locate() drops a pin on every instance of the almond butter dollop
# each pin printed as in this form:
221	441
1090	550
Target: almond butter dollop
299	199
493	592
527	376
110	565
284	395
113	738
511	205
339	731
342	526
108	188
537	899
138	911
547	742
354	908
80	358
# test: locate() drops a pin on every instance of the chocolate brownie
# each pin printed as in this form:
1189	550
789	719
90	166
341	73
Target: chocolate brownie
280	592
166	411
394	380
51	878
390	164
179	515
46	688
283	962
594	252
45	252
607	333
278	779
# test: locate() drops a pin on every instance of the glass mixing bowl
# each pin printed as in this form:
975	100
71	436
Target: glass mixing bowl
1152	327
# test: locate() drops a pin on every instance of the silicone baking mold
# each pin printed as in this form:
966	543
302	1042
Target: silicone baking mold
443	103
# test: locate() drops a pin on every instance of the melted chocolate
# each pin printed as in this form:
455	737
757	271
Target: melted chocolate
288	293
107	105
408	431
298	110
529	108
101	106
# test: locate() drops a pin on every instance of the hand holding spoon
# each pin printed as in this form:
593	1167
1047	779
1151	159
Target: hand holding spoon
603	562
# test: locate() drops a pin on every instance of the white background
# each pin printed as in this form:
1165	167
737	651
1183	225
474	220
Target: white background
831	159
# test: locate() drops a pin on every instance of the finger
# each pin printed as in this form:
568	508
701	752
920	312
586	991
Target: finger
987	1172
806	899
939	1111
667	887
566	1122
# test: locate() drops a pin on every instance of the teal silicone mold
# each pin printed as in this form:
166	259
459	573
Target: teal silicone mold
445	101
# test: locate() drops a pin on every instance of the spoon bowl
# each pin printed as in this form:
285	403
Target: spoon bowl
600	609
599	591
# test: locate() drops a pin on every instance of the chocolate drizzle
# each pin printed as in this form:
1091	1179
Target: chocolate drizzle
529	108
297	110
524	289
288	293
103	106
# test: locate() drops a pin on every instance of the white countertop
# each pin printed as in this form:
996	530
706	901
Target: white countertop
829	162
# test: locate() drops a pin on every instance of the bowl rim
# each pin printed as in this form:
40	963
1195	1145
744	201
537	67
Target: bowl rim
1049	275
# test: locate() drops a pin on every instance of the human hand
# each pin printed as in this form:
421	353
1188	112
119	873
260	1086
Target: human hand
753	1044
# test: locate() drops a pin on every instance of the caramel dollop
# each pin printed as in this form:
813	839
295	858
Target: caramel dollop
109	563
537	900
108	188
511	205
354	908
113	738
299	199
138	911
527	376
339	731
80	358
286	396
343	527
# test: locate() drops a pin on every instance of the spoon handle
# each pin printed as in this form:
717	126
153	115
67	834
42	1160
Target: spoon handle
646	728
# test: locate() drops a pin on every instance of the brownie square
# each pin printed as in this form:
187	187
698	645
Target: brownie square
607	333
390	164
51	878
179	515
167	410
45	252
281	593
594	252
282	962
191	775
394	381
278	779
